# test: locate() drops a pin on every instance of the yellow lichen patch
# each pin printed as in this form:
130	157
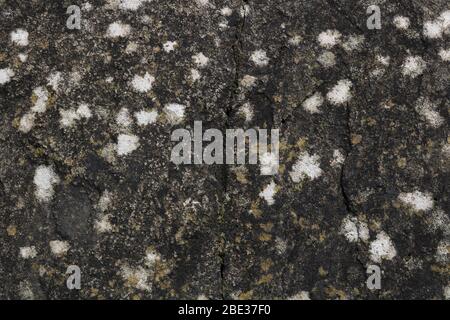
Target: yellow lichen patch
265	237
11	230
323	272
401	163
246	295
267	227
264	279
334	293
241	175
266	264
443	270
302	143
356	139
255	211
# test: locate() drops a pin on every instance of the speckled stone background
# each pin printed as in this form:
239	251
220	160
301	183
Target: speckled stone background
85	172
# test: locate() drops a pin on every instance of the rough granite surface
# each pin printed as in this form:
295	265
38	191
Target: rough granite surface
85	143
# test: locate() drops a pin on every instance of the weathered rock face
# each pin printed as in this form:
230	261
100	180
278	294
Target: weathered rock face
85	138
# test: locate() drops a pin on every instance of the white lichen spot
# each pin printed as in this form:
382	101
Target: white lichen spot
5	75
59	248
340	93
269	192
143	84
19	37
447	292
103	225
202	3
27	122
427	110
354	230
68	117
123	118
44	179
382	248
132	5
307	166
105	201
200	60
384	60
28	252
248	81
126	144
269	163
354	42
313	103
295	40
329	38
442	251
83	111
444	54
225	11
417	200
131	47
432	29
246	110
152	257
174	112
118	29
23	57
259	58
338	158
401	22
136	277
245	10
413	66
195	75
327	59
54	79
40	95
145	117
169	46
302	295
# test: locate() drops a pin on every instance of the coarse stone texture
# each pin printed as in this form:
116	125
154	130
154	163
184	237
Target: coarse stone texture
362	179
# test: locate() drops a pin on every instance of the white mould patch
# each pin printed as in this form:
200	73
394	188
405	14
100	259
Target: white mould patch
132	5
44	179
54	79
354	42
246	110
27	122
145	117
83	111
136	277
401	22
432	29
338	158
417	200
447	292
195	75
174	112
28	252
295	40
59	248
23	57
307	166
427	110
327	59
354	230
444	54
382	248
123	118
313	103
126	143
269	192
41	98
413	66
5	75
302	295
103	225
200	60
118	29
68	117
248	81
340	93
442	251
329	38
169	46
143	84
225	11
259	58
19	37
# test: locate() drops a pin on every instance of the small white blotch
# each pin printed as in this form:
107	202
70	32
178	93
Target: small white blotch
427	109
126	144
447	292
131	47
442	251
174	112
202	3
54	79
23	57
136	277
144	117
417	200
432	29
132	5
413	66
340	93
444	54
245	10
328	39
295	40
338	158
247	111
44	179
152	257
27	122
268	163
68	117
123	118
269	192
248	81
59	248
143	84
83	111
200	60
19	37
302	295
259	58
41	97
28	252
169	46
225	11
103	224
382	248
327	59
105	201
195	75
354	230
202	297
384	60
401	22
313	103
5	75
354	42
26	290
118	29
307	166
